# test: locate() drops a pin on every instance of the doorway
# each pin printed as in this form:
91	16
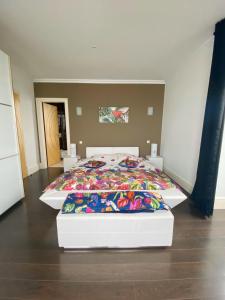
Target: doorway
53	130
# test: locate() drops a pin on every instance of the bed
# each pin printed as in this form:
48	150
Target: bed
55	198
114	230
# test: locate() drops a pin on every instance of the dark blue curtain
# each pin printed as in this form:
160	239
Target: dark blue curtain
205	186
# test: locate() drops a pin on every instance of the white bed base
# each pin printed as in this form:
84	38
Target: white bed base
90	151
82	231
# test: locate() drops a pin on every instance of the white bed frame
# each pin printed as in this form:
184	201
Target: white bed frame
116	230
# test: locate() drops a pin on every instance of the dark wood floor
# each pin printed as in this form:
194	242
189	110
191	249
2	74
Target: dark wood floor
32	266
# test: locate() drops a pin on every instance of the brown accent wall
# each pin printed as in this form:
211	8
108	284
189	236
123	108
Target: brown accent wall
91	96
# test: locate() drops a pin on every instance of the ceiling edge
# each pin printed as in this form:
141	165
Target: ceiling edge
98	81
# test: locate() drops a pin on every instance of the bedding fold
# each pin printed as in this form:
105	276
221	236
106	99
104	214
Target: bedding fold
113	202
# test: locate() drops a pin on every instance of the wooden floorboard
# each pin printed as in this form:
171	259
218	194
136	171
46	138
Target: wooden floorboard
33	267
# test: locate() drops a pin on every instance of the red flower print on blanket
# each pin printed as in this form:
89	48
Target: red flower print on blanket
111	179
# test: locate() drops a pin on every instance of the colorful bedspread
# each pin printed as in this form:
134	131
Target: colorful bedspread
111	179
111	202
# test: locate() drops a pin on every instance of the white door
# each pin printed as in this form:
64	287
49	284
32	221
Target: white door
11	185
5	80
8	138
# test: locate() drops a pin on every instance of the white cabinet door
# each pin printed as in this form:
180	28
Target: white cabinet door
11	184
8	137
5	80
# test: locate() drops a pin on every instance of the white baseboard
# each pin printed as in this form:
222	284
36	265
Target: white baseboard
32	169
43	165
219	203
187	186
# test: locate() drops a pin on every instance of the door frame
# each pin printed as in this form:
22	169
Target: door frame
41	130
20	134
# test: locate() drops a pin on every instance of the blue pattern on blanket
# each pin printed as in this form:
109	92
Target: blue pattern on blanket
111	202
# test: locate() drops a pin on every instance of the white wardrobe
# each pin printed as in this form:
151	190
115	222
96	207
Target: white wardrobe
11	183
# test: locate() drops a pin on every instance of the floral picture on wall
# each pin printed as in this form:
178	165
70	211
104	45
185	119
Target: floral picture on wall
113	114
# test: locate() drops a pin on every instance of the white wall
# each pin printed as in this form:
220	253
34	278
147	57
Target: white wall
184	107
23	85
220	190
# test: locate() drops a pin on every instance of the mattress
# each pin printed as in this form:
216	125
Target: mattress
55	199
115	230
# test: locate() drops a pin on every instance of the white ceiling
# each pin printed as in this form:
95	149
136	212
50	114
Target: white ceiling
111	39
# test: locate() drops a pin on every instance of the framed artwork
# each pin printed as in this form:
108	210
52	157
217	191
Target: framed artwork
113	114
